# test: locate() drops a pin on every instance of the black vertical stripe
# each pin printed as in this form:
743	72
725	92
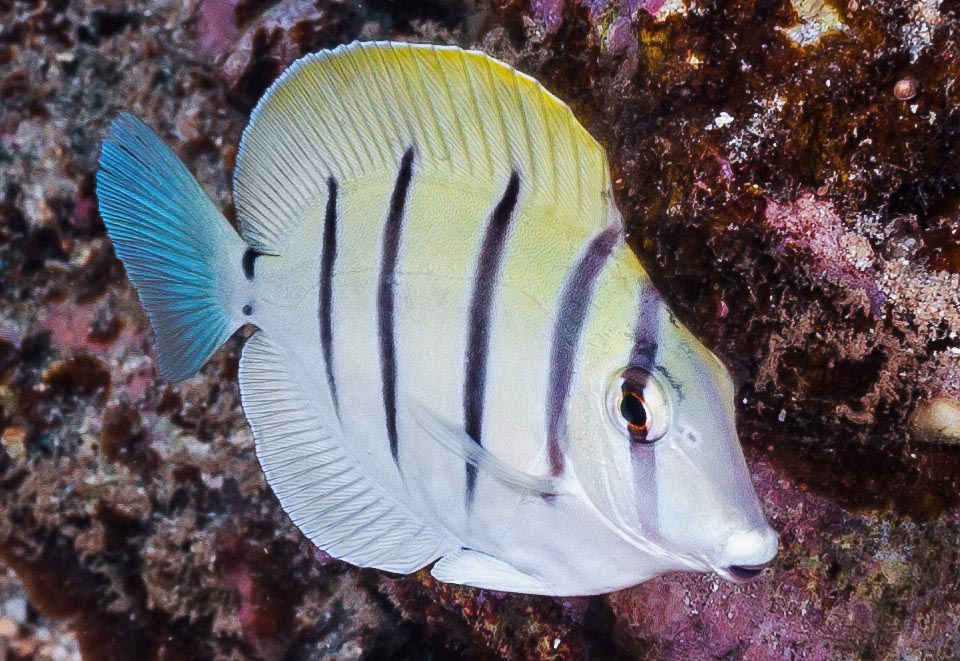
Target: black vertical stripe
571	314
385	298
248	262
327	261
481	305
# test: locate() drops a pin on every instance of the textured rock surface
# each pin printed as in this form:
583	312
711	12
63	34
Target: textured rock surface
798	205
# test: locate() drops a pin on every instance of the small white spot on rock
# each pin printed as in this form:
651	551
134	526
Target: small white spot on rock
723	119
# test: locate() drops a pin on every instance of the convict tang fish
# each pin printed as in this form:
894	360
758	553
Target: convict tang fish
457	358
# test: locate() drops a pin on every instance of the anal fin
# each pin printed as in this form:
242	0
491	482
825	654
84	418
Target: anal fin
320	485
480	570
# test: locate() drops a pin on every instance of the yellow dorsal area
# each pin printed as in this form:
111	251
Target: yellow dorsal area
472	120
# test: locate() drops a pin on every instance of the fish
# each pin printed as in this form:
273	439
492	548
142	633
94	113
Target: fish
456	359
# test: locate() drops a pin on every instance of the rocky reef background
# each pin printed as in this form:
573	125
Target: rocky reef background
790	174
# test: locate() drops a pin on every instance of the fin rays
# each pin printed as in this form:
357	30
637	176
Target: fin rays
352	111
322	488
174	244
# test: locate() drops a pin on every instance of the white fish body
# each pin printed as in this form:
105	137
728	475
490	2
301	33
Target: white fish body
456	348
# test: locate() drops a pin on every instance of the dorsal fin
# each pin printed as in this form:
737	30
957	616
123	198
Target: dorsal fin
355	110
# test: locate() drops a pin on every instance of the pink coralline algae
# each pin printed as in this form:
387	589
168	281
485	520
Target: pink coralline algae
820	603
216	26
551	11
548	11
814	226
622	37
652	6
623	7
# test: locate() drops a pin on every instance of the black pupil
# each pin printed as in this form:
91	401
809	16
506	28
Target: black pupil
631	408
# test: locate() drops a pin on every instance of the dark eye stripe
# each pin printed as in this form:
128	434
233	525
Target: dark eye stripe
647	330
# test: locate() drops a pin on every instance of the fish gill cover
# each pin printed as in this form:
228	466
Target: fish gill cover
795	194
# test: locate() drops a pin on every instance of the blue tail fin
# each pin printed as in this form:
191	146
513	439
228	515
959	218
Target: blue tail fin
178	249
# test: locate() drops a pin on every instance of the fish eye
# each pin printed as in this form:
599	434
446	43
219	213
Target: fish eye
639	406
634	412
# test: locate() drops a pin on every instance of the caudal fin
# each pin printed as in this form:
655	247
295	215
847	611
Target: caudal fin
178	249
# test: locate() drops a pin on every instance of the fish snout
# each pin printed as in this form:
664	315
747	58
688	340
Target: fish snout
745	554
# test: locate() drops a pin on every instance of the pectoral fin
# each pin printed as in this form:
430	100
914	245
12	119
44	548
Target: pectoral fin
454	439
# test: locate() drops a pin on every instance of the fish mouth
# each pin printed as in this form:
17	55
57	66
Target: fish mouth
746	554
742	573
